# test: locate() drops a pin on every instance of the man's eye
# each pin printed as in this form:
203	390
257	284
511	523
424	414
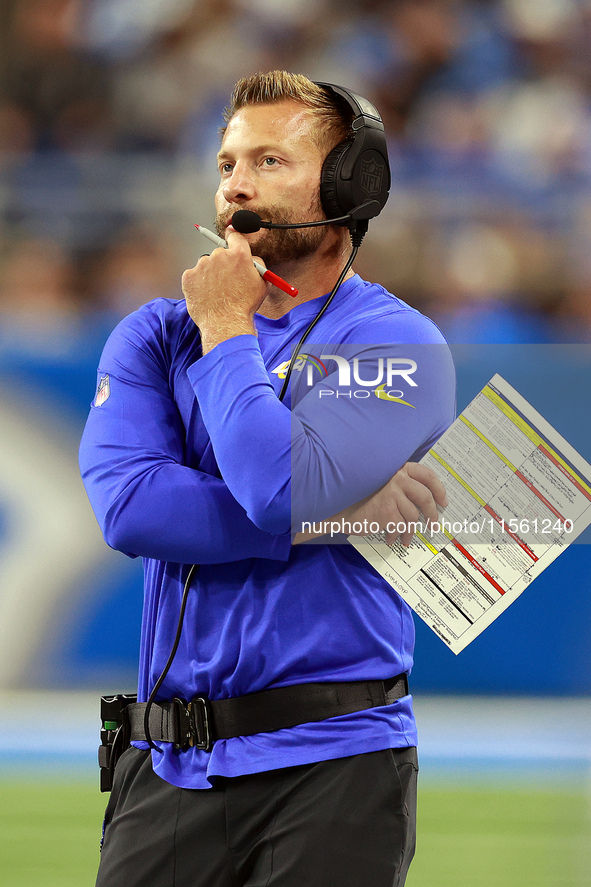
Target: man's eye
226	168
270	161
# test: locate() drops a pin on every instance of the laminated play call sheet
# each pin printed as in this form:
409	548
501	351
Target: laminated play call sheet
518	495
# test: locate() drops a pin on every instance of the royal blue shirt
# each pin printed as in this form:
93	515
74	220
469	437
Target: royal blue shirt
191	458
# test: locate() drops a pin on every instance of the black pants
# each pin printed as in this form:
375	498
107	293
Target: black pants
343	823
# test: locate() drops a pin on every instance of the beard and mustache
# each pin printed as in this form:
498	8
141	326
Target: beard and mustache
276	247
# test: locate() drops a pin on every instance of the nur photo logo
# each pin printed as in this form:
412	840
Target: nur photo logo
372	377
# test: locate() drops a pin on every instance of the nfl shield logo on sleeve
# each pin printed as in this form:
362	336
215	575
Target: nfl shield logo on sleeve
103	391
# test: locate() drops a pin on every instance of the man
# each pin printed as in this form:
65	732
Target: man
190	457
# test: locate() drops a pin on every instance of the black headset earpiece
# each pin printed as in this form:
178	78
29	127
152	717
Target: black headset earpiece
356	173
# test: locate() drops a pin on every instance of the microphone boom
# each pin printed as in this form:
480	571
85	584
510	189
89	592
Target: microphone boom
246	221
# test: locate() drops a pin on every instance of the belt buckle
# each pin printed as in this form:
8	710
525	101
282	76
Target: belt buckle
183	724
201	721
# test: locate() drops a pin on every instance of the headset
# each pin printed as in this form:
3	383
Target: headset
355	177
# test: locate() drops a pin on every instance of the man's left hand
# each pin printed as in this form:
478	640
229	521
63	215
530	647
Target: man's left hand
413	491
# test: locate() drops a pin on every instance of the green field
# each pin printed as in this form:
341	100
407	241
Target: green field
486	836
474	834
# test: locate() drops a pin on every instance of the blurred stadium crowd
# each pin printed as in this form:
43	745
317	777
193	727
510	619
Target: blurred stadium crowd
109	116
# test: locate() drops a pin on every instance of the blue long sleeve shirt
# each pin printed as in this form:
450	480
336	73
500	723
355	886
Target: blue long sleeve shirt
191	458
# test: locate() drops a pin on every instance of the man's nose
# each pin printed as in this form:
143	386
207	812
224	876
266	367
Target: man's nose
240	185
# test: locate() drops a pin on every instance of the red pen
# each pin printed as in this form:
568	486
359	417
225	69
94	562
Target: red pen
267	275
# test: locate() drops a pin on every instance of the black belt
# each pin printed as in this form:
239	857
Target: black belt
202	721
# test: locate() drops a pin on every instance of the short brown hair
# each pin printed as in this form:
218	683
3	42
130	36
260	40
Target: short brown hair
332	113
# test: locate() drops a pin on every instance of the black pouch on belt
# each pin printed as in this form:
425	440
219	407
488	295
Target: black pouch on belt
115	735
